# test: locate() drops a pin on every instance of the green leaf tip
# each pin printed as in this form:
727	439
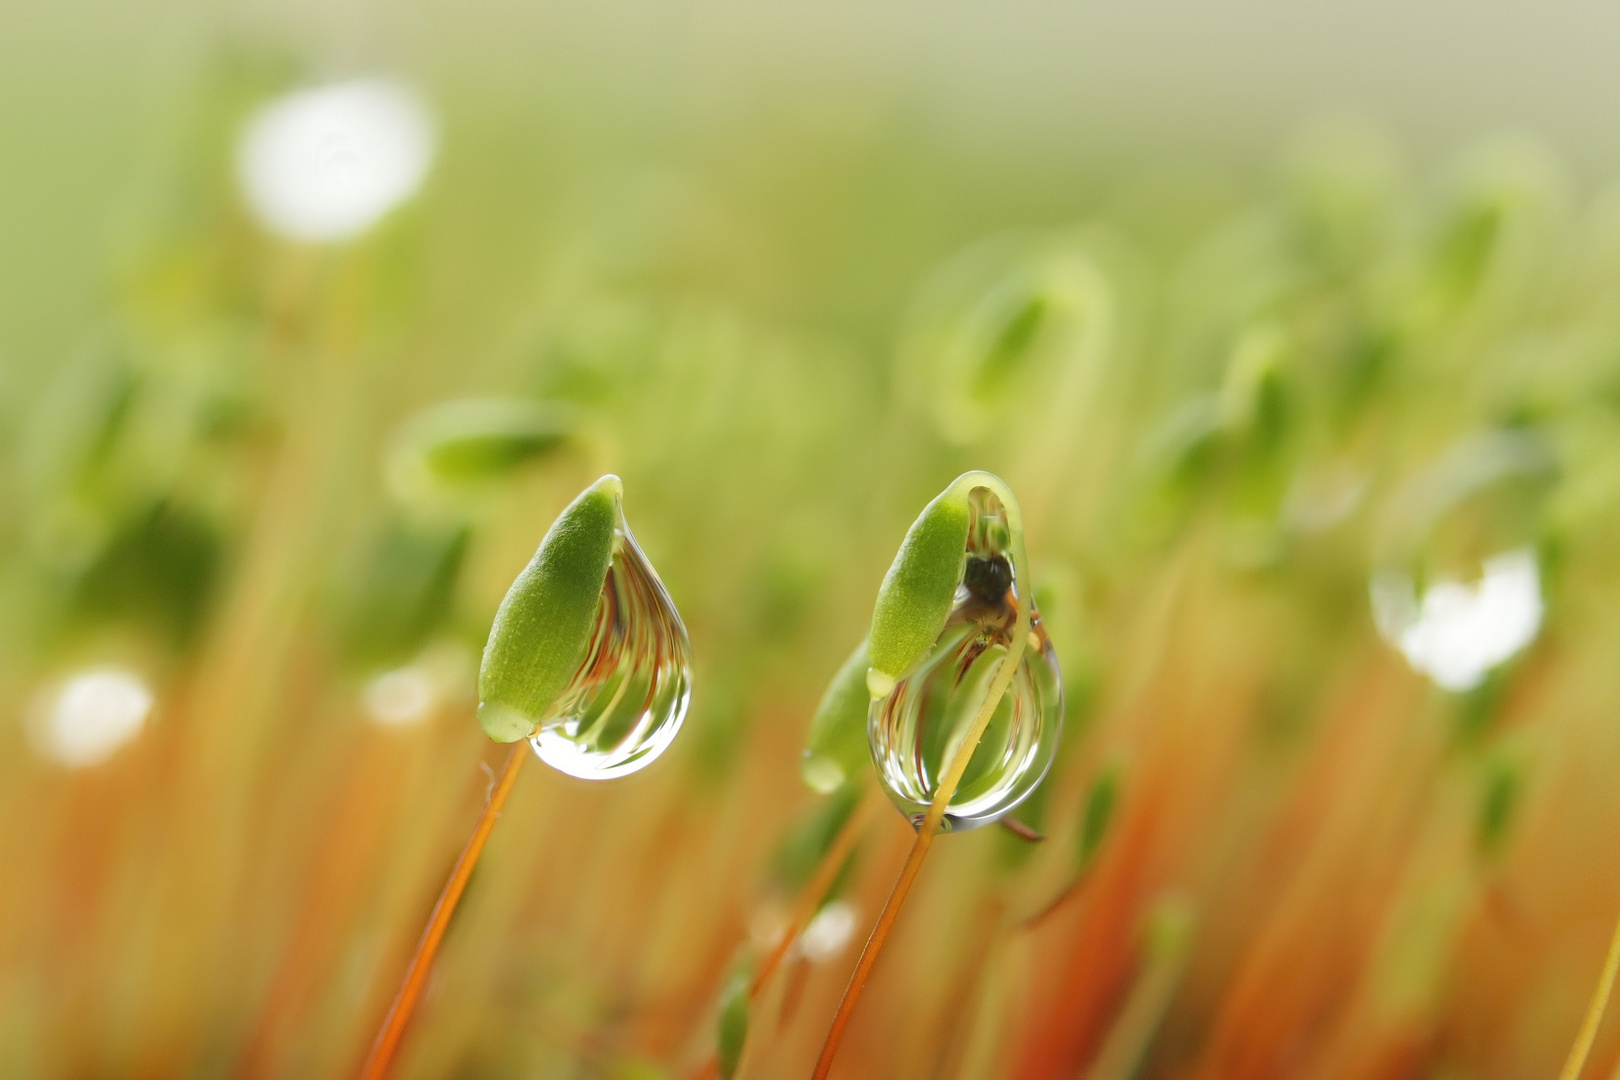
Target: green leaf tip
836	749
543	625
916	595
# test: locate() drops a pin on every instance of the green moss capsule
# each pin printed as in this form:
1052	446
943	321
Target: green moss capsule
587	657
967	694
915	597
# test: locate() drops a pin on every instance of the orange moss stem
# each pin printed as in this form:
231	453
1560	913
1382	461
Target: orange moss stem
919	851
383	1049
1058	902
874	944
1594	1011
804	908
948	783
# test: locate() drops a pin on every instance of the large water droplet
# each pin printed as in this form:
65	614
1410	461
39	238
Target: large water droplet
630	694
916	730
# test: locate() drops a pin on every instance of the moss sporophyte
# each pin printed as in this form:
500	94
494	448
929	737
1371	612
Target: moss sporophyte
588	661
966	701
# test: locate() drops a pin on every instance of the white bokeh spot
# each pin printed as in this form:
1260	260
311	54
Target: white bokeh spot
90	716
328	163
401	697
1456	633
409	695
828	933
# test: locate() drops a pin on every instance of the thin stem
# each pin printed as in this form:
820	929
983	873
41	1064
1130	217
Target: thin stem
382	1052
929	829
1594	1011
1069	892
804	908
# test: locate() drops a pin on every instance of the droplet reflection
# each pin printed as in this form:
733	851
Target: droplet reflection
1455	634
917	728
630	694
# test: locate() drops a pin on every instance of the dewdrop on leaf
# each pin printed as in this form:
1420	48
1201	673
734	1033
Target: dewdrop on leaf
326	164
587	657
1456	633
1488	488
946	620
829	932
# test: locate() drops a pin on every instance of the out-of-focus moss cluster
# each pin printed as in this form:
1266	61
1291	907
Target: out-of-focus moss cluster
1324	391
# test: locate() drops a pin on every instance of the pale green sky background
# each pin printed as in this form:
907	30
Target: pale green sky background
84	83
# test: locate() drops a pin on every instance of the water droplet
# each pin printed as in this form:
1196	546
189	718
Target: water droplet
406	696
1477	505
917	728
630	694
1455	633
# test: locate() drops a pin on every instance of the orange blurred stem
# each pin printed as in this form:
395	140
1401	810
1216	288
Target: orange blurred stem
383	1049
1594	1011
1058	902
1022	831
874	944
804	908
919	851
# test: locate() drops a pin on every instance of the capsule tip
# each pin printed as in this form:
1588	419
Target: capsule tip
879	683
611	486
503	723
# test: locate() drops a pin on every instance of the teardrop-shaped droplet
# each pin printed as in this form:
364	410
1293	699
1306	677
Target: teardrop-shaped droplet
630	694
916	730
1457	585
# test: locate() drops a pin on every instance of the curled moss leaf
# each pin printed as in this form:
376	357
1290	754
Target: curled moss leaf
461	446
1096	815
836	749
544	622
915	597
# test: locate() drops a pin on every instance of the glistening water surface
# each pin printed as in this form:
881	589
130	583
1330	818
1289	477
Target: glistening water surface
917	729
631	692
